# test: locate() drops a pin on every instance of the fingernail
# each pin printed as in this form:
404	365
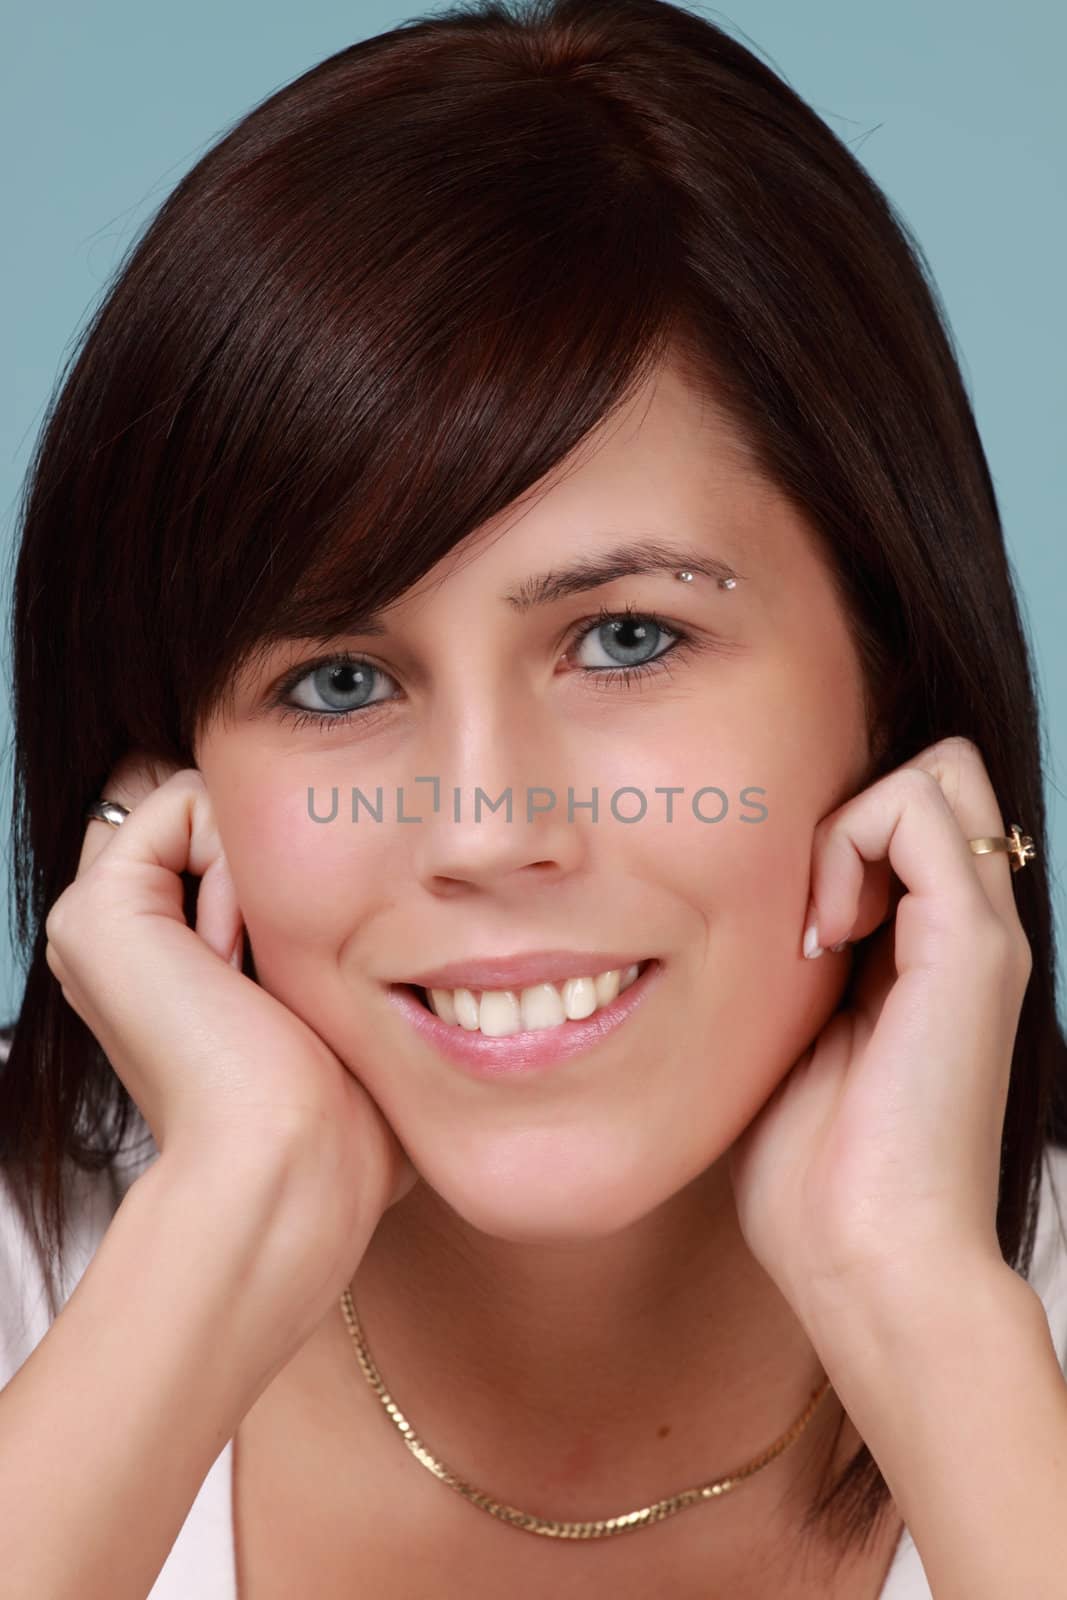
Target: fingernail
235	955
836	947
812	947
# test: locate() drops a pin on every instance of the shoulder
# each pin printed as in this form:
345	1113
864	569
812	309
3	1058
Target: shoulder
1048	1269
92	1198
1048	1278
25	1314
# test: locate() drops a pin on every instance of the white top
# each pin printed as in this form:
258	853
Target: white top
201	1561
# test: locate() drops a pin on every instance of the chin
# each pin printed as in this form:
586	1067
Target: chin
539	1227
543	1202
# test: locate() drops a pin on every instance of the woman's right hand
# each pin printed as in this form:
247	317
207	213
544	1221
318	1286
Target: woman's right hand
219	1068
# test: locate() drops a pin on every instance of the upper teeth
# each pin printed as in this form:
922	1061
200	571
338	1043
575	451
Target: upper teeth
544	1005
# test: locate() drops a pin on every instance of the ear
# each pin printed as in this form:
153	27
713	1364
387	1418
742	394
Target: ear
879	743
135	775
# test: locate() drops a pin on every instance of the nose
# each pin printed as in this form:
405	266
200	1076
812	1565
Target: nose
501	815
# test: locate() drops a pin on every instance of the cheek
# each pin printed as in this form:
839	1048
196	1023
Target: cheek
301	884
750	1002
724	827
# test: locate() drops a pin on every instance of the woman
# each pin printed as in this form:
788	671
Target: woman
533	426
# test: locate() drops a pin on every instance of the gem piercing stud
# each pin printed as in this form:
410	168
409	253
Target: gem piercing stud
724	583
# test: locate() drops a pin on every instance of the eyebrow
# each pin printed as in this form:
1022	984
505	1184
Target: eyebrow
636	556
632	557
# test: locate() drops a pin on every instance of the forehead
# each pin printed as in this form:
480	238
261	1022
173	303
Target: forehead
669	464
670	469
671	434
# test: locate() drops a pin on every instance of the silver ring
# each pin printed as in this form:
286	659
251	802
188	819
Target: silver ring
108	811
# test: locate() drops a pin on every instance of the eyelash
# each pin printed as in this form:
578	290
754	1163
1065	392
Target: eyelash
606	677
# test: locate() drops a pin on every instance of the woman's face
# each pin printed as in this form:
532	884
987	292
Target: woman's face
465	687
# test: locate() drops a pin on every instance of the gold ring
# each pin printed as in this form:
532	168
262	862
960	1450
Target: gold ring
1019	846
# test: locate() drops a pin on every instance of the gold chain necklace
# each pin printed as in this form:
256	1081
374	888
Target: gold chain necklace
525	1520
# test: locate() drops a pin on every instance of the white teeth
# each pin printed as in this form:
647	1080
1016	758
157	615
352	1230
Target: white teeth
606	985
466	1009
442	1002
579	998
541	1006
499	1012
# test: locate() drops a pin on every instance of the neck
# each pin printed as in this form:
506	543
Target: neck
584	1380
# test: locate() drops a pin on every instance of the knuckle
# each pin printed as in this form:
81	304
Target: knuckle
68	914
56	964
1022	956
828	825
822	829
942	763
957	744
136	775
56	920
994	942
918	778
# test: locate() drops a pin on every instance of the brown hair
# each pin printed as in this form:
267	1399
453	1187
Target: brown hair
380	308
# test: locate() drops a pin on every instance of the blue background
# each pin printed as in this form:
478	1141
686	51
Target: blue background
957	110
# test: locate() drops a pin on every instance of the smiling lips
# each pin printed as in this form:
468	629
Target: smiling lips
526	1053
500	1012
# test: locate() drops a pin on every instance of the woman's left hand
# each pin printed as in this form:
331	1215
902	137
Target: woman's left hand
877	1158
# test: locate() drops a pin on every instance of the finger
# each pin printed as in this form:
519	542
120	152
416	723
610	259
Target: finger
961	773
218	917
130	781
880	892
942	995
870	982
176	840
907	819
957	766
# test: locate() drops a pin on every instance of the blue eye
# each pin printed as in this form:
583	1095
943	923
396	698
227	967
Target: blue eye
343	676
629	632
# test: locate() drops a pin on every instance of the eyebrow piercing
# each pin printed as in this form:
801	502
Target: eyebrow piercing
724	583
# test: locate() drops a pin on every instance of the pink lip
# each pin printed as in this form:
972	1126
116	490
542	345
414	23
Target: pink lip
519	1054
522	970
